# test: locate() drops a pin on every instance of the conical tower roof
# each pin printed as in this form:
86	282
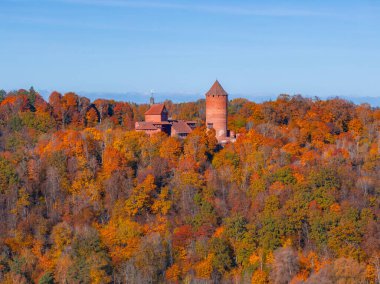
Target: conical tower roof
216	90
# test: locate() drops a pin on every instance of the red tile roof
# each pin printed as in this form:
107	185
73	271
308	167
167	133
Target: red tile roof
142	125
216	90
181	127
156	109
161	123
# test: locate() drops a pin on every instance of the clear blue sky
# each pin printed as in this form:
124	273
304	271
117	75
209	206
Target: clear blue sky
267	47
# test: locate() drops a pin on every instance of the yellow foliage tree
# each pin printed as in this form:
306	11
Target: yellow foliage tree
173	273
163	203
260	277
203	269
141	198
122	237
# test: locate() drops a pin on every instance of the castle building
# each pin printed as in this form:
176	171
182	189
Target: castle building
156	113
157	117
156	120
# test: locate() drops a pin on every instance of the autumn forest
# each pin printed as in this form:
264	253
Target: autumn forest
86	199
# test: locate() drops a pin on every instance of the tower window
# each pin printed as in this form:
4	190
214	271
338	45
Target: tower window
210	125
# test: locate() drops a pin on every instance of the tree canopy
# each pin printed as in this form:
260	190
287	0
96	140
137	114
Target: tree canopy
85	199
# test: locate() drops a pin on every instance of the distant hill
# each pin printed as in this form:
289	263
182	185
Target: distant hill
140	98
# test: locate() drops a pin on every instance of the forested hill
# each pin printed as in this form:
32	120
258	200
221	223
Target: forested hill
294	200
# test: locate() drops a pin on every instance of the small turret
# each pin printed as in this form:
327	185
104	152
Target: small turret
151	101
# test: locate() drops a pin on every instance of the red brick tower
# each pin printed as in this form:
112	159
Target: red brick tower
216	110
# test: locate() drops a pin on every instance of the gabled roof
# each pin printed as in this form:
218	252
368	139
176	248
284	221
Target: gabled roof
216	90
156	109
181	127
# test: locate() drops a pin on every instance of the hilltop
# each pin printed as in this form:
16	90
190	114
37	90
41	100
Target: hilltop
86	199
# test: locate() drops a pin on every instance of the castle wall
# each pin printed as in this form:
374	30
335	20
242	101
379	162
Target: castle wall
153	118
156	117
